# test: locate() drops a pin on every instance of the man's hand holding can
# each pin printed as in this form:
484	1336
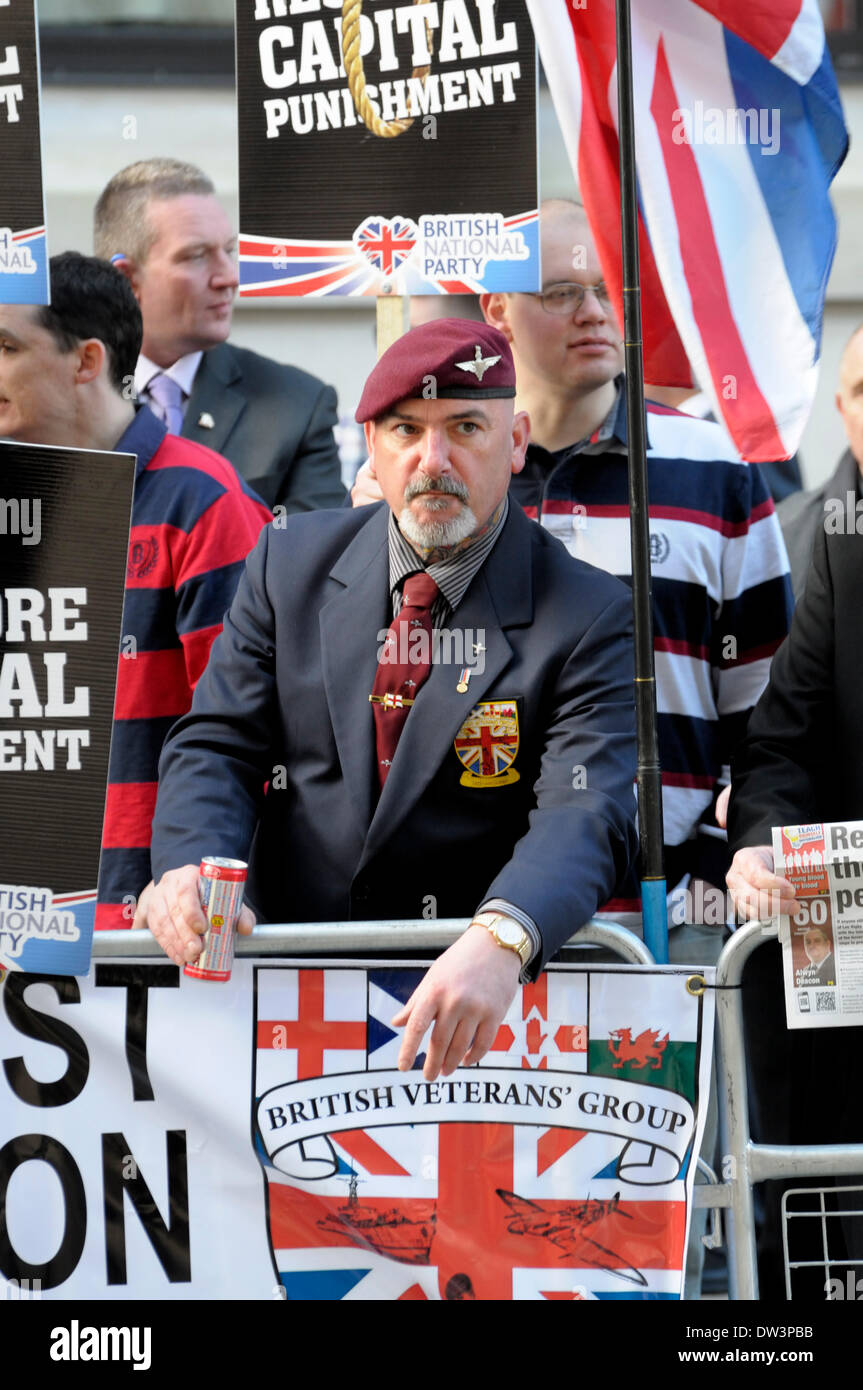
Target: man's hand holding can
172	910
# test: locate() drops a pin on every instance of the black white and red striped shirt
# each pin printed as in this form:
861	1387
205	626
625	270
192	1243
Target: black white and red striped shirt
721	589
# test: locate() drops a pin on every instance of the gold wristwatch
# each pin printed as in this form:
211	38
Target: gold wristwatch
507	933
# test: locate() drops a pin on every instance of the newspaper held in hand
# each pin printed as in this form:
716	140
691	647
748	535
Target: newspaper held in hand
822	942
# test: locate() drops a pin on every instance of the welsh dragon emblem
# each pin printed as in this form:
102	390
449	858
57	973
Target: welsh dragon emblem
647	1047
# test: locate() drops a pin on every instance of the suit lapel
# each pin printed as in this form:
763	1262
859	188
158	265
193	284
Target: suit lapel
349	625
215	393
441	709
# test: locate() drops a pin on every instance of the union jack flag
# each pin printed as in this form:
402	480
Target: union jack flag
443	1209
738	132
386	245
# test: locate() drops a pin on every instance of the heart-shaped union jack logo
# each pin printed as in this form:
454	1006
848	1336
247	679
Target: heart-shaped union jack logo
386	244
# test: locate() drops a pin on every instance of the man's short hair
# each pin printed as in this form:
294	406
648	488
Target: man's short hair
90	299
121	225
857	331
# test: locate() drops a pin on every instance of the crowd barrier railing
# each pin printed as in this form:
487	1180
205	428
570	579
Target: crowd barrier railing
309	938
745	1161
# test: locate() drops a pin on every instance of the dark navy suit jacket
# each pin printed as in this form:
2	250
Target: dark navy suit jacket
800	761
274	423
284	700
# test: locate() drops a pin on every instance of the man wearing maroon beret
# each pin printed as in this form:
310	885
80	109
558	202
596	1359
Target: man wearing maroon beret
425	704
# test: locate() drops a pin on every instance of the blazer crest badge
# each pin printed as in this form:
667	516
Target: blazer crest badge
487	744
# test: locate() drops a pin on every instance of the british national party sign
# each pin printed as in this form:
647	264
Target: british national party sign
23	250
62	568
362	125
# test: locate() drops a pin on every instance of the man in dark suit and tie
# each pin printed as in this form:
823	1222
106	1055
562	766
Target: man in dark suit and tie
160	223
819	950
800	763
439	697
836	504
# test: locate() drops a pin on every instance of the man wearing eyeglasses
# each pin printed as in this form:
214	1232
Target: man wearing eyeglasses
720	587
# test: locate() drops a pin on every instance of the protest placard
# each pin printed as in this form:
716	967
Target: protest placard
386	148
23	249
62	572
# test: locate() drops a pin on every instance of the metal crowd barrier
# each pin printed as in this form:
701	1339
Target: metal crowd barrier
748	1162
322	938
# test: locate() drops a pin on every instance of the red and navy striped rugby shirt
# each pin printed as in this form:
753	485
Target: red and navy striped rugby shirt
194	521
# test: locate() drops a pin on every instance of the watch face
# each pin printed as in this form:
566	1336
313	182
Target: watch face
511	933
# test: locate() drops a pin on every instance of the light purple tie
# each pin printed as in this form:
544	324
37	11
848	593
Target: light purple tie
166	396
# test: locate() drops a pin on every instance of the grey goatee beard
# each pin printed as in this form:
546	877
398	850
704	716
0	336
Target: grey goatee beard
435	534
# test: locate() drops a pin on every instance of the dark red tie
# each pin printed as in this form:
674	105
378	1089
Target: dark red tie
404	665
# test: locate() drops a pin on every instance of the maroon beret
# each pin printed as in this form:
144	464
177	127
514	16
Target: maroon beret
452	358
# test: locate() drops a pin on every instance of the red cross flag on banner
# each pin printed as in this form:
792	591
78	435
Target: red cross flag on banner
559	1168
738	134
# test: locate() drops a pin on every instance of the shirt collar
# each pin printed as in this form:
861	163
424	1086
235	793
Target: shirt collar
452	574
611	430
614	424
182	371
142	437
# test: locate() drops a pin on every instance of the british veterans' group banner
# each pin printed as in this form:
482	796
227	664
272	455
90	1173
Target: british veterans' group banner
386	145
23	250
738	134
293	1160
62	570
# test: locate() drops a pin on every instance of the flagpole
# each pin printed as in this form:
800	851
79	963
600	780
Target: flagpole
653	892
390	320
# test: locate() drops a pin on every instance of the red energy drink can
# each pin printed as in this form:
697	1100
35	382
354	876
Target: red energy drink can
221	886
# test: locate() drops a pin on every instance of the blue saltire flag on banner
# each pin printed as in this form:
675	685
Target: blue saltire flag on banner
559	1168
739	133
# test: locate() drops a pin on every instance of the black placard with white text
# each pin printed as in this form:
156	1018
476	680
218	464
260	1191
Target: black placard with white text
386	146
64	539
23	249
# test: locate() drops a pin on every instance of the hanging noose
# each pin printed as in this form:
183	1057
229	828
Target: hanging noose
351	14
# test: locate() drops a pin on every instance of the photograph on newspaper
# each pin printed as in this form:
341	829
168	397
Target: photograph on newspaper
822	942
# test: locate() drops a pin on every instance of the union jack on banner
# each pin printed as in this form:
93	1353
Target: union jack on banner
386	245
739	133
399	1195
